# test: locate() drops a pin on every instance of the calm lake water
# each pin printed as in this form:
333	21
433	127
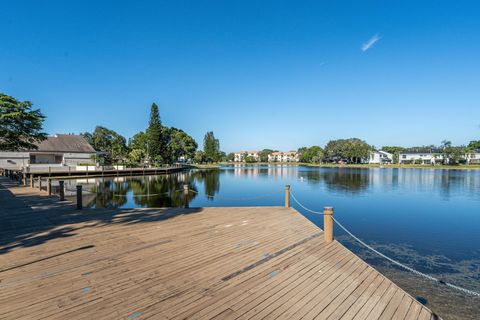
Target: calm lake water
428	219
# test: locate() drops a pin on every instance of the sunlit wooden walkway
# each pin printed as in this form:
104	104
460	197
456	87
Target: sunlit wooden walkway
210	263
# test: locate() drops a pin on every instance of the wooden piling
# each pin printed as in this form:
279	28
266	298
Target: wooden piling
328	224
49	187
79	197
40	183
287	196
61	190
31	181
185	194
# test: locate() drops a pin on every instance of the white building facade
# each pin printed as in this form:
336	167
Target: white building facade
289	156
242	155
380	157
421	157
57	151
473	157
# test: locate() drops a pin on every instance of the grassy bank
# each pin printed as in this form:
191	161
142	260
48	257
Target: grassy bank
205	166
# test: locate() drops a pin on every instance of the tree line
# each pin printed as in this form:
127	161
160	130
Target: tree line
21	128
158	144
354	151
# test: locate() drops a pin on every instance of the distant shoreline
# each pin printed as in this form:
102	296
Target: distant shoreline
360	166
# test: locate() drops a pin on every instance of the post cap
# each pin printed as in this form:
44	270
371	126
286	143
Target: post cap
287	186
328	210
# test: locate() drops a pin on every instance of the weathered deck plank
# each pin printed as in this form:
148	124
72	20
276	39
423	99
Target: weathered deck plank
206	263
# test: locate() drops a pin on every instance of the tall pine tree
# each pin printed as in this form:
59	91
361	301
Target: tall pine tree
211	147
156	141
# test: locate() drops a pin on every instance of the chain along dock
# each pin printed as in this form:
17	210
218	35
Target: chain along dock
59	261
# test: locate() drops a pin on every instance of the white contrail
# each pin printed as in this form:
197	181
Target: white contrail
367	45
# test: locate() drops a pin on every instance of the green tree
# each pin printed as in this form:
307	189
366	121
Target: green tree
352	150
138	149
453	154
211	147
264	154
180	144
250	159
108	141
156	137
199	157
20	125
314	154
230	156
474	145
395	151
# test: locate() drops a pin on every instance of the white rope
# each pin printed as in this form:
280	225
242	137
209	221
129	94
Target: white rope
236	199
473	293
404	266
142	195
301	205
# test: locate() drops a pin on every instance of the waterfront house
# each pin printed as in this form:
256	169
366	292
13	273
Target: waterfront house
380	157
425	156
56	151
473	157
289	156
242	155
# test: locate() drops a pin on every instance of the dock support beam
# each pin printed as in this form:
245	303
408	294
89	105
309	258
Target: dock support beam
185	194
61	190
40	183
287	196
31	181
328	224
49	187
79	197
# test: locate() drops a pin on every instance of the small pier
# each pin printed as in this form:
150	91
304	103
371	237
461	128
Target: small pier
57	262
88	171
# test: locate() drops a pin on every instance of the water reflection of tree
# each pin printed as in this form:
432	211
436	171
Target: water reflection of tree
210	180
351	180
162	191
110	193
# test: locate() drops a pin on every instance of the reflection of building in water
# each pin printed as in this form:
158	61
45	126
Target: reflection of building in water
241	170
283	171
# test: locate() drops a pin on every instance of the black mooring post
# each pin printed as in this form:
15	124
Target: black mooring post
79	197
61	190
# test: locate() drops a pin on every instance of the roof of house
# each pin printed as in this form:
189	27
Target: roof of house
384	152
65	143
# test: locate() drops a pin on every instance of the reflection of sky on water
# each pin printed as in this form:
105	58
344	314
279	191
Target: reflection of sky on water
427	218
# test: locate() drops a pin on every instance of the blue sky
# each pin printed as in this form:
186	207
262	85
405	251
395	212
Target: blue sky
276	74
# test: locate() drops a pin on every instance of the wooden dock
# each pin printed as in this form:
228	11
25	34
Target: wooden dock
205	263
101	171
